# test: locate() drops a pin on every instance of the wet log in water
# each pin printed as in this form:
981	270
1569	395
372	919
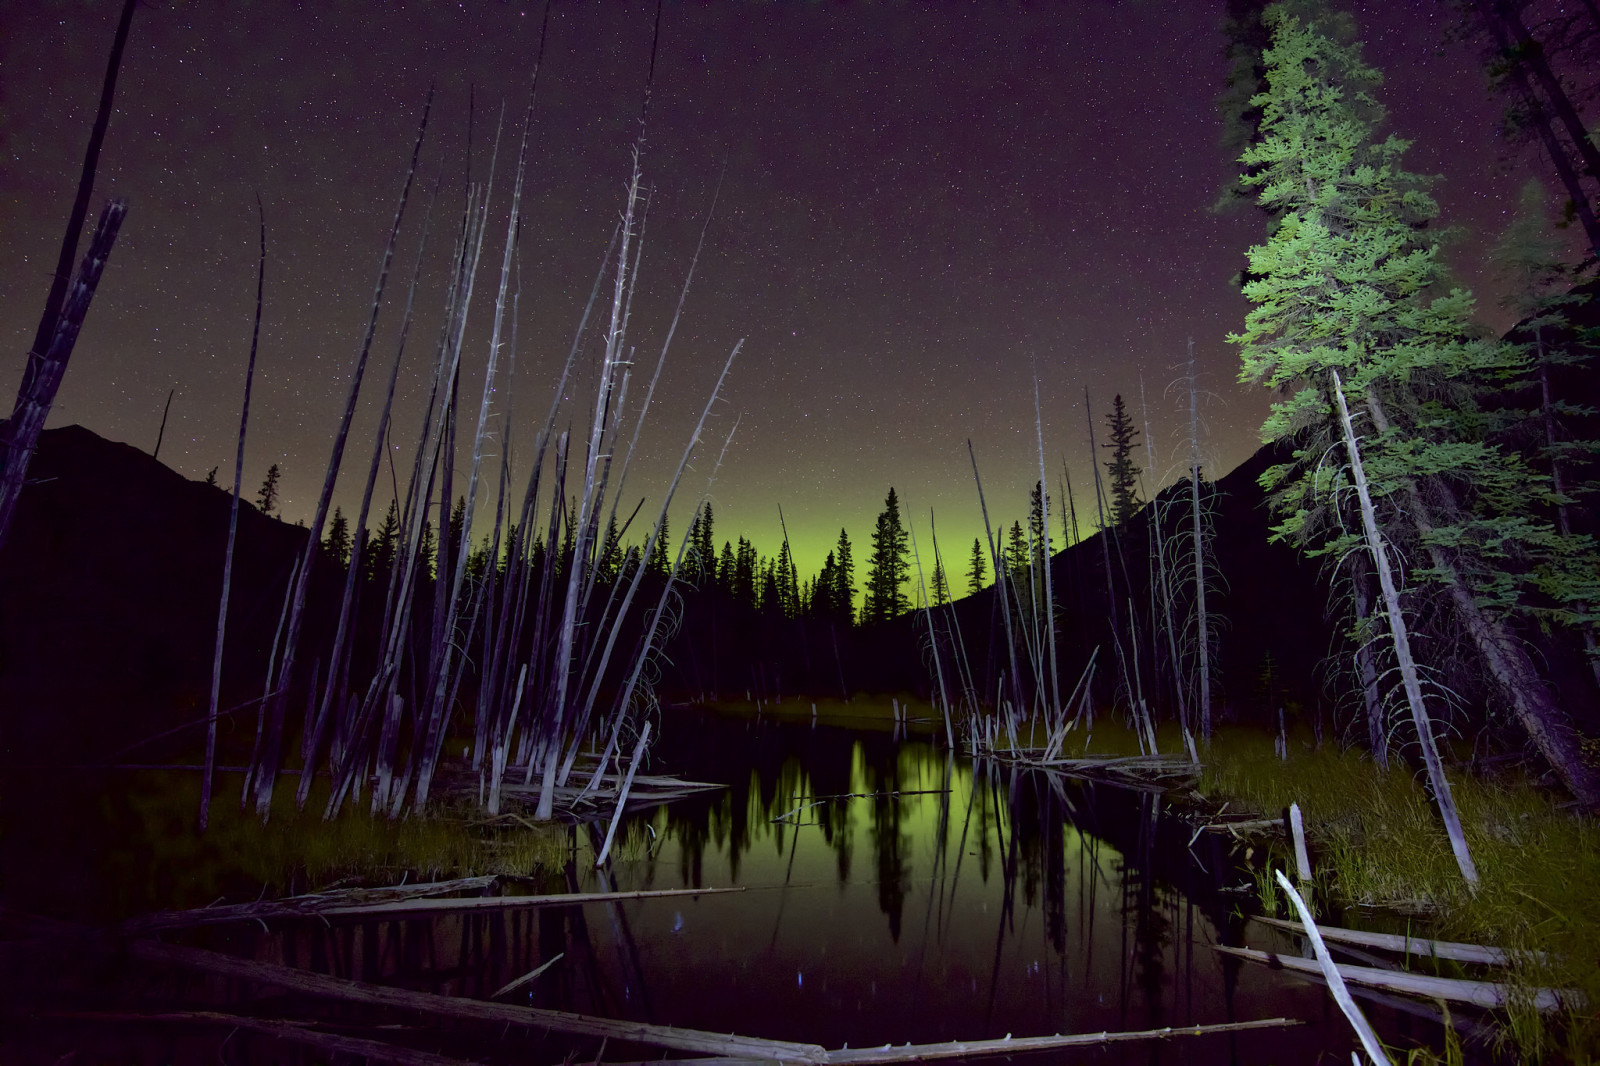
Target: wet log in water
295	1032
322	906
970	1049
339	988
1486	994
1411	945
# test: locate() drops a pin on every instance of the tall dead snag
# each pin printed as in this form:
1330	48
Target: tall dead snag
1202	632
233	526
64	310
1402	646
42	377
265	773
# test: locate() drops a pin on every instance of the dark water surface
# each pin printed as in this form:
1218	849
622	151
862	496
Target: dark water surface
894	893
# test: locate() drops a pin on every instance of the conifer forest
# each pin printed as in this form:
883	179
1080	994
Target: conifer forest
859	534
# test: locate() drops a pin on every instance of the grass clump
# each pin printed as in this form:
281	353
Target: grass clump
1379	843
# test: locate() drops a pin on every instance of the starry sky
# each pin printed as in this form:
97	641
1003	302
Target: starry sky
923	210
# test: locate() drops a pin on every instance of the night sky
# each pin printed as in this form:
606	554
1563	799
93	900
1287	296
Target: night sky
923	207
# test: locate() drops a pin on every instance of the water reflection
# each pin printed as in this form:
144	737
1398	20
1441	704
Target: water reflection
894	893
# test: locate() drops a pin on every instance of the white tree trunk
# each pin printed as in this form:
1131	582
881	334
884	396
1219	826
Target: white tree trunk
1402	647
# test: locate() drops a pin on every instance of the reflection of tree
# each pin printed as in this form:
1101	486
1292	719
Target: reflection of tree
891	847
1143	916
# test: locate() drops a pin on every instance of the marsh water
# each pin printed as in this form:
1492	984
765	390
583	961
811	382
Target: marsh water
893	892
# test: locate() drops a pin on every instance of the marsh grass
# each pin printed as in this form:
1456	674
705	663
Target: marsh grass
1379	844
134	848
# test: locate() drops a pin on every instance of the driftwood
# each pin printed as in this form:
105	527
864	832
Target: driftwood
1486	994
324	986
312	906
308	903
963	1049
516	983
284	1029
1247	824
1438	949
1330	969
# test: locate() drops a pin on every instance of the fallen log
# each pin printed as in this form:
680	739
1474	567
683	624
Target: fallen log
1486	994
323	985
1410	945
284	1029
313	907
891	1053
1250	823
962	1049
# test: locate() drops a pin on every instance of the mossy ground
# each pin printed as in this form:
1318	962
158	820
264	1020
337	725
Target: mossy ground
1379	843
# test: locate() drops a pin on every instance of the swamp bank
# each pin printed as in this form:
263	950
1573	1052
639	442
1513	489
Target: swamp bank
893	891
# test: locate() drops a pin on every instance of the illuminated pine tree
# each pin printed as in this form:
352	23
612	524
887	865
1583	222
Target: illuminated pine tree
1348	298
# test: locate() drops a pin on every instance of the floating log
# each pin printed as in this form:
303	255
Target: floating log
963	1049
284	1029
977	1048
317	907
1249	823
518	982
1484	994
1439	949
340	988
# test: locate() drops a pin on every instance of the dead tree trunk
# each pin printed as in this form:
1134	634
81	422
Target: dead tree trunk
42	377
1402	647
1507	660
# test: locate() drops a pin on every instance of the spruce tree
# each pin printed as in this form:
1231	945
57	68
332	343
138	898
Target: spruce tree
660	561
1037	530
381	547
337	542
788	582
727	565
975	568
705	546
940	590
745	570
1017	556
1122	471
610	558
1348	300
888	567
427	549
267	494
844	589
820	603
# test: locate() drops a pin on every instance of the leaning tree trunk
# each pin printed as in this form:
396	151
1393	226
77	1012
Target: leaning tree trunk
64	311
1521	686
1202	630
1402	647
45	369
